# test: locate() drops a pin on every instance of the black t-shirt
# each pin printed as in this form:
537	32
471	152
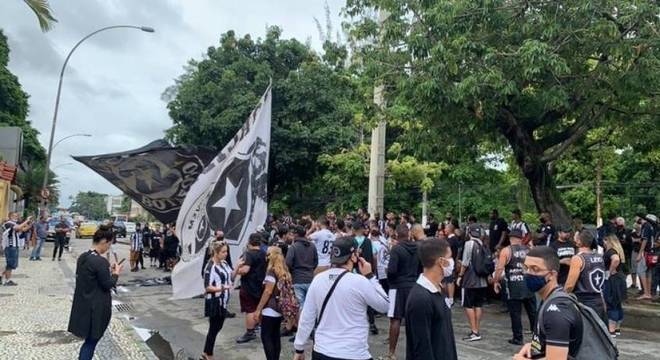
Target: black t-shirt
495	230
253	280
454	243
547	235
564	250
648	234
607	258
561	327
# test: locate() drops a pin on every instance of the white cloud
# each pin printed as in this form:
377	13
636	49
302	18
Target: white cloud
114	80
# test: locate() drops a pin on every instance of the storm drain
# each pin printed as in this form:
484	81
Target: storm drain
124	307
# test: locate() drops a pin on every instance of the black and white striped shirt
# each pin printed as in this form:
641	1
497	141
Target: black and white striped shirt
9	234
136	241
218	275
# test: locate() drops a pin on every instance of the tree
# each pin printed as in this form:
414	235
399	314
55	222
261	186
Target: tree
44	14
530	77
31	182
91	205
313	105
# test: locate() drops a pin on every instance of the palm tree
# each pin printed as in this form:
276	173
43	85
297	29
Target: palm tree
44	14
30	182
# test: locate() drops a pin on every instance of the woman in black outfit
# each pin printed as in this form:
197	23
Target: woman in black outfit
268	312
218	277
92	303
614	288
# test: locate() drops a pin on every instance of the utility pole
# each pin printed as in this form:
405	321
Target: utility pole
460	204
377	160
425	203
599	192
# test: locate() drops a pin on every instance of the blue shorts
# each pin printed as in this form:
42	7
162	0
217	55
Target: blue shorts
301	293
11	254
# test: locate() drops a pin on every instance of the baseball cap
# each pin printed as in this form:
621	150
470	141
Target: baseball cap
342	249
652	218
474	231
516	233
564	228
357	225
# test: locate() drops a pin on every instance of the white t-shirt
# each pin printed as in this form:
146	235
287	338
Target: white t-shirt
268	311
382	251
344	328
323	239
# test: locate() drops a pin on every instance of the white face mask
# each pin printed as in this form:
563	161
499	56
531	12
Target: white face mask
449	269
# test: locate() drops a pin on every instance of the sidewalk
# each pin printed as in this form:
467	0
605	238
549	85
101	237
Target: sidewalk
34	315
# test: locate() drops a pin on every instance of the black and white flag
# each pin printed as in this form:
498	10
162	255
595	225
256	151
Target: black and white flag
230	195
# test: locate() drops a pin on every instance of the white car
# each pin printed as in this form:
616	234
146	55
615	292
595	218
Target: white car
130	227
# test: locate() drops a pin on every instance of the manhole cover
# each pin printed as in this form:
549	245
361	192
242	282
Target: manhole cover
124	307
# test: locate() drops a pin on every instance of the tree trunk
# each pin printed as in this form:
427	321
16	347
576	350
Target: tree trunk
528	154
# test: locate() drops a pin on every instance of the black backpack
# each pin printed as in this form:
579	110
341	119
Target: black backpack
596	340
482	260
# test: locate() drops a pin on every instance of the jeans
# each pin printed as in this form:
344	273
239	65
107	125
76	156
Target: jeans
301	293
655	279
215	325
515	311
59	244
270	336
615	313
87	349
36	252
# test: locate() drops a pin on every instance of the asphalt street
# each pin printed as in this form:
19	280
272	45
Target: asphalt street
182	324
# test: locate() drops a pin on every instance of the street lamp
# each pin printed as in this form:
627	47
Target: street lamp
60	165
68	137
59	89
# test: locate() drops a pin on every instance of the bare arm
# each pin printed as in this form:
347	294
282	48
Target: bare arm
615	261
501	263
573	273
556	352
268	291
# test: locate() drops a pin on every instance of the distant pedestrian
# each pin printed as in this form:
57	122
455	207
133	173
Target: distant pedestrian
546	234
92	302
154	247
11	243
137	246
218	282
518	223
323	239
61	229
41	231
171	248
474	280
429	329
566	249
614	289
301	259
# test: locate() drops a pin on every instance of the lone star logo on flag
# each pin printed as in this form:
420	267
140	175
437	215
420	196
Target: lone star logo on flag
229	202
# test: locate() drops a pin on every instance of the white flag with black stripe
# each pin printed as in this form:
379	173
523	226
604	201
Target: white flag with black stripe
230	195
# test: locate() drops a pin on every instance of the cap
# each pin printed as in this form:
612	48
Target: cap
516	233
564	228
357	225
342	249
652	217
474	231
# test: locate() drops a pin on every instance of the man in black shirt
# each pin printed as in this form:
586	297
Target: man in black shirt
546	233
497	231
429	330
252	269
558	333
565	248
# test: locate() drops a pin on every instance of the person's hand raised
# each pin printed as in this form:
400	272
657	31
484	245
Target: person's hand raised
364	266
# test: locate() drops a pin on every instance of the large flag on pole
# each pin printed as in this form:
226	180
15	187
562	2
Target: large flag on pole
230	195
157	175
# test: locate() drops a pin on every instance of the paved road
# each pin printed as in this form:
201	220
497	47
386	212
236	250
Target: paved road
181	322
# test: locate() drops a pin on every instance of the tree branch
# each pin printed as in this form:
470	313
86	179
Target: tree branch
576	132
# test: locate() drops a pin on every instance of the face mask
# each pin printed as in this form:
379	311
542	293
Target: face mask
534	282
449	269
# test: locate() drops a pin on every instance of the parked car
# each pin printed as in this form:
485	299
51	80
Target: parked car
51	229
87	229
120	229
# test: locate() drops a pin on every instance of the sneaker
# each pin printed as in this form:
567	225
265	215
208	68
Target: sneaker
230	315
10	283
515	342
59	259
373	329
613	335
292	339
287	333
472	337
248	336
617	332
38	259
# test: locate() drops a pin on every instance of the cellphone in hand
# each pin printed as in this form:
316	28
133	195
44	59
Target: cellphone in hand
121	261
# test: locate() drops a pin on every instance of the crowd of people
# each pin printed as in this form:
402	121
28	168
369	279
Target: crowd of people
327	279
340	273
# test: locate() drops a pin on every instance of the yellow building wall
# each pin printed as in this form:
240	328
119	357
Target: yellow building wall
4	199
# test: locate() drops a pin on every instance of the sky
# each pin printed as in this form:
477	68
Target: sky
113	83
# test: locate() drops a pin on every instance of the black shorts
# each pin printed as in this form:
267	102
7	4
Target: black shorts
248	302
398	299
448	280
474	298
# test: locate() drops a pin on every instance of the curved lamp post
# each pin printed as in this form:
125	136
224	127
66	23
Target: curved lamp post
68	137
59	89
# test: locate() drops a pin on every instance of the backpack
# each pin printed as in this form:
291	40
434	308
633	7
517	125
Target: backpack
596	340
286	300
482	260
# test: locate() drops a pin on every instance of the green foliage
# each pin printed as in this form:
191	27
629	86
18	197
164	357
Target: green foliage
313	106
541	75
91	205
42	10
125	205
31	182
